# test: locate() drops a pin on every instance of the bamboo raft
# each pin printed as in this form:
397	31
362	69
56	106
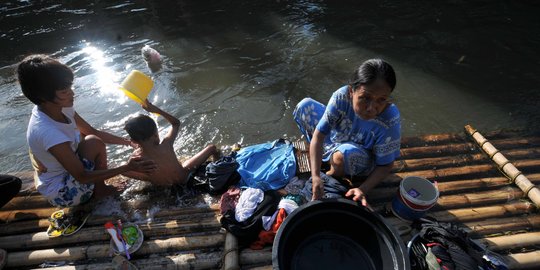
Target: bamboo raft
487	184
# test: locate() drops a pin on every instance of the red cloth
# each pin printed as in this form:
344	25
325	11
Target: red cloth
229	199
267	237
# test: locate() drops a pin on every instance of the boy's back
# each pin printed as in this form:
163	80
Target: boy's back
170	171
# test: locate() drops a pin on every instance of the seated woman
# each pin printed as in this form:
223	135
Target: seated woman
357	132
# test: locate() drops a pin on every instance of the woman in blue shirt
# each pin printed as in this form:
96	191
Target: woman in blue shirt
357	132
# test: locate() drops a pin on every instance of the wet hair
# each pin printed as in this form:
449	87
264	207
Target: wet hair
371	71
40	76
140	128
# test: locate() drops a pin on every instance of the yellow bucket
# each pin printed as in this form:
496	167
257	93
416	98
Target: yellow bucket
137	86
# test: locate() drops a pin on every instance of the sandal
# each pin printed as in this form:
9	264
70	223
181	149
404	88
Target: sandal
56	226
75	222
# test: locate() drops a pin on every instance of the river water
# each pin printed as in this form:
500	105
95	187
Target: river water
234	70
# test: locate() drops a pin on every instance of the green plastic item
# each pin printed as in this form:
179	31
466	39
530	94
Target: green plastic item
130	234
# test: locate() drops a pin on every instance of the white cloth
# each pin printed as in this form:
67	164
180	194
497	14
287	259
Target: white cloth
44	133
287	204
247	203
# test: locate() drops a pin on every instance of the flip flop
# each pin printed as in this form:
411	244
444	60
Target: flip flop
75	222
56	228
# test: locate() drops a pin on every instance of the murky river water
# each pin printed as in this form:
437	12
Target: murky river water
234	70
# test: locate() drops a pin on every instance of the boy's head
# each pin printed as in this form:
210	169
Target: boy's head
141	128
40	76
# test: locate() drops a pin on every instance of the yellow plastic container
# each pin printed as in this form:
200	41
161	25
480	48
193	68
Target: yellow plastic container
137	86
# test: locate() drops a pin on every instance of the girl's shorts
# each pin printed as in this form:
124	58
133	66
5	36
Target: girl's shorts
74	192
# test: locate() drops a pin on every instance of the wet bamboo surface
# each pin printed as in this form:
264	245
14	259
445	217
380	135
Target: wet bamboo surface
474	194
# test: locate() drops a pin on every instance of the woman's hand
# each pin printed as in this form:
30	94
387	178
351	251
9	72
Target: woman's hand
139	164
317	188
358	195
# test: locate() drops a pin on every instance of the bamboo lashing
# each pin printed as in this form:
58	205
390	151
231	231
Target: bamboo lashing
528	188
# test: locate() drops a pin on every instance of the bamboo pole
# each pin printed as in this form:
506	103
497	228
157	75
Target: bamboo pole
187	211
21	227
31	214
383	192
453	173
230	254
93	234
511	241
480	213
460	160
463	148
256	257
208	260
481	228
27	214
508	194
483	183
266	267
529	189
527	260
446	138
504	194
424	140
435	151
27	258
464	159
26	202
441	162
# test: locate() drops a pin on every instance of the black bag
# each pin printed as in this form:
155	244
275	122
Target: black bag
221	174
215	177
198	180
448	242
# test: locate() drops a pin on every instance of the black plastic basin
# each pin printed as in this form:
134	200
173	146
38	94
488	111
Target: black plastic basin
337	234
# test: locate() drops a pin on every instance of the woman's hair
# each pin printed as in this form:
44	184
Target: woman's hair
141	128
371	71
40	76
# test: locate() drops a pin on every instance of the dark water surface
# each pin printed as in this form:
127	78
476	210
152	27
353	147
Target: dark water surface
234	70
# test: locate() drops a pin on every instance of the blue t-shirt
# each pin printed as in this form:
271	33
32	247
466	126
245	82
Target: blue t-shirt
381	135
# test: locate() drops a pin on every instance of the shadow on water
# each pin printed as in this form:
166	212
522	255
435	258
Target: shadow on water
458	62
486	49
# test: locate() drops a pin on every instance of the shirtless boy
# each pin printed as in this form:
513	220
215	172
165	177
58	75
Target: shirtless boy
143	131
